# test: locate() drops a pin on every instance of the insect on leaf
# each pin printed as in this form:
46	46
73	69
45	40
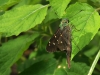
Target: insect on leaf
61	40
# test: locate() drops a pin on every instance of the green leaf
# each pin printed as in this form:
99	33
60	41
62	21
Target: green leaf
12	50
85	21
22	19
50	15
28	63
49	66
44	67
60	71
76	69
59	6
5	4
91	52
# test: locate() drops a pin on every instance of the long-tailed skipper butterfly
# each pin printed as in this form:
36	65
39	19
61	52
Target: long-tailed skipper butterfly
61	40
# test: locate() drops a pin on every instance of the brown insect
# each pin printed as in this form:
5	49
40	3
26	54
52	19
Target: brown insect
61	41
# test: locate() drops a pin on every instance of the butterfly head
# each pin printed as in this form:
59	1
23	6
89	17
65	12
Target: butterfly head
63	23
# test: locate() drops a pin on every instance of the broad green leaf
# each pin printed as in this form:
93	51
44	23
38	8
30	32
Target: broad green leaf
1	12
60	71
44	67
33	1
95	3
94	47
12	50
28	63
59	6
50	15
91	52
5	4
22	19
76	69
85	21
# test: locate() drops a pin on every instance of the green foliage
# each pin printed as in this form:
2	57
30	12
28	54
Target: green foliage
87	26
25	21
45	63
26	27
5	4
59	6
13	50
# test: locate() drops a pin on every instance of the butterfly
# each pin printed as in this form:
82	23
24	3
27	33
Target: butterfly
61	40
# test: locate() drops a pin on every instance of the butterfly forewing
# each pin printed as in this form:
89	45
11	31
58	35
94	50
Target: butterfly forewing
52	45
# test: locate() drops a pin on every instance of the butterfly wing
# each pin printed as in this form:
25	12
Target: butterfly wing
52	45
64	42
61	41
64	39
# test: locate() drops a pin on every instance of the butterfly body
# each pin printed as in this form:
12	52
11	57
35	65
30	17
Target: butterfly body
61	40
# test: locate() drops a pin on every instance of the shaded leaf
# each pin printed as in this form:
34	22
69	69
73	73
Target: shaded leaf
12	50
76	69
28	63
43	67
91	52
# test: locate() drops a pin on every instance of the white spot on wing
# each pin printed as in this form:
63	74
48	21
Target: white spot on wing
53	43
55	36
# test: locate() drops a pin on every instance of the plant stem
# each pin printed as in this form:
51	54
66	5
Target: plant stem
94	63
